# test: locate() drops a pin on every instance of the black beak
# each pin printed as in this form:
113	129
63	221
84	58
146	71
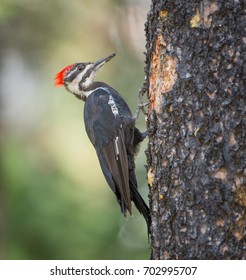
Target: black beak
98	64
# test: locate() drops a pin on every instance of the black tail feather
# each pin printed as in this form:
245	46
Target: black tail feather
141	206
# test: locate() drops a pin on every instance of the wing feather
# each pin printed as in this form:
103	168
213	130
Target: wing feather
116	158
104	128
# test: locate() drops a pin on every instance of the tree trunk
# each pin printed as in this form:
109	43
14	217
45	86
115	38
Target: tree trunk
195	82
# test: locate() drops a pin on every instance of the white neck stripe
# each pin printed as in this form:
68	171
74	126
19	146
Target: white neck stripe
87	93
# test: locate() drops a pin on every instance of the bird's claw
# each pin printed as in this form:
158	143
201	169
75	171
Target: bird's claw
140	108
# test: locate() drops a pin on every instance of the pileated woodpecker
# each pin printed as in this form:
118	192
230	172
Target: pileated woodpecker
111	129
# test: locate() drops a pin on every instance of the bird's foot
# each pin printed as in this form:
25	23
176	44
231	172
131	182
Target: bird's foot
140	108
145	134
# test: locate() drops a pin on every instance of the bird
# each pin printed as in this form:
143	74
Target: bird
111	129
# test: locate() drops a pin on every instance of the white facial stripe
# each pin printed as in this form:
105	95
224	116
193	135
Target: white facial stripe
74	85
89	80
71	72
79	77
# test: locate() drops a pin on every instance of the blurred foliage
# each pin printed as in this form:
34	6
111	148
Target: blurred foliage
54	201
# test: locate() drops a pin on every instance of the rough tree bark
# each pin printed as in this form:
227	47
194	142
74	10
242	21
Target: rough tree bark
195	82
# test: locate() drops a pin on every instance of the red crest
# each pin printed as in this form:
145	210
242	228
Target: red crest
60	76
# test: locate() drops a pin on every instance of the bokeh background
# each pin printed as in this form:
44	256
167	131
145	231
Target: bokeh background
54	201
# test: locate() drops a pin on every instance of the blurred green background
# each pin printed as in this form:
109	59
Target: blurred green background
54	201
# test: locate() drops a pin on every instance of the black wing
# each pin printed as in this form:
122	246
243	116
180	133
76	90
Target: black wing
104	127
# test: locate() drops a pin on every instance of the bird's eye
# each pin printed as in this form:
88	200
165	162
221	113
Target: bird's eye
80	68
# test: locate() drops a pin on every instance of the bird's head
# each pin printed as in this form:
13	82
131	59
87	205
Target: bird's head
78	77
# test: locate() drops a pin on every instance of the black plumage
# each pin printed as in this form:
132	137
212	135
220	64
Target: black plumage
115	139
